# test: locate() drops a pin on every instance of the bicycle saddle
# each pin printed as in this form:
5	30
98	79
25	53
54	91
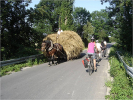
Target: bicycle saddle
89	55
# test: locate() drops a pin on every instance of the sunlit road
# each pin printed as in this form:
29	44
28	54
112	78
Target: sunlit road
68	80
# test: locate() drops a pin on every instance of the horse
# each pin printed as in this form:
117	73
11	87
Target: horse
53	50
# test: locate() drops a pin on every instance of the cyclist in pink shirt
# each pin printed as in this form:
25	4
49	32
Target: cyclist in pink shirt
90	50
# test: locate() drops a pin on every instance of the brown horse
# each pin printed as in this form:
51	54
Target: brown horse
53	50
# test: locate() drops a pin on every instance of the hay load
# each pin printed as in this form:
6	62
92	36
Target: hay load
71	42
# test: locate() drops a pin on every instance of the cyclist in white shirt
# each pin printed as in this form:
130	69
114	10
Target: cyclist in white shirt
105	43
98	47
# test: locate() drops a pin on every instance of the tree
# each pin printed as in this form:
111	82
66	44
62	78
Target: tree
58	14
88	31
81	16
66	15
43	17
16	32
100	21
120	12
102	35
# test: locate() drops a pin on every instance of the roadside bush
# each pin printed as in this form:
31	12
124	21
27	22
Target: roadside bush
122	84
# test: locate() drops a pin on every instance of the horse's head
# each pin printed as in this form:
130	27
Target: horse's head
45	45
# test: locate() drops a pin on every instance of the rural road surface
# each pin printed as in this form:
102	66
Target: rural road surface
66	81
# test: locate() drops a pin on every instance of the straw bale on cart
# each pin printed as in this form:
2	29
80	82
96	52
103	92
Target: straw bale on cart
71	42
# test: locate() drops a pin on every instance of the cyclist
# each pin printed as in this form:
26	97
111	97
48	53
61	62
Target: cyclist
105	43
99	48
103	46
90	50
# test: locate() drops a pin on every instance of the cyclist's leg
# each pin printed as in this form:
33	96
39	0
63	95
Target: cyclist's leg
105	51
99	54
90	67
94	61
100	50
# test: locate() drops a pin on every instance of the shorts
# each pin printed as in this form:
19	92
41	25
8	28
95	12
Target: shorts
103	48
93	55
99	49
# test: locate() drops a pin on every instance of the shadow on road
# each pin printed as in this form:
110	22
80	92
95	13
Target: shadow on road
109	45
82	55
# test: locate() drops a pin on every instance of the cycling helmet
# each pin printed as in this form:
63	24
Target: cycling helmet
92	38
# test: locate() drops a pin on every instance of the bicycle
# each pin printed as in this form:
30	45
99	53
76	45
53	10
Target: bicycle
90	64
97	57
103	52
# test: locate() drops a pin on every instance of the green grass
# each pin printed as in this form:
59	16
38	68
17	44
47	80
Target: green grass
122	84
108	83
6	70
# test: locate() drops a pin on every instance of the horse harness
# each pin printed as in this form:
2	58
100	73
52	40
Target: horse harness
51	47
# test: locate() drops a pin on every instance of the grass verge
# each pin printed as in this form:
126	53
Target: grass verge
122	84
6	70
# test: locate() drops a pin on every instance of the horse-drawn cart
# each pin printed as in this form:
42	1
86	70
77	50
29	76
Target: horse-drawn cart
53	51
69	45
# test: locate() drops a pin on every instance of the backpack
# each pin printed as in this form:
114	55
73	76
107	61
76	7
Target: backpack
85	63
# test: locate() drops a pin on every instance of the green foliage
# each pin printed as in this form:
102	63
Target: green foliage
100	21
102	34
6	70
108	83
120	16
36	62
16	31
112	39
88	30
66	19
21	52
29	63
121	86
80	16
57	13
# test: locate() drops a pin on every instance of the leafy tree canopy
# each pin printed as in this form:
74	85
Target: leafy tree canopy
81	16
99	20
120	12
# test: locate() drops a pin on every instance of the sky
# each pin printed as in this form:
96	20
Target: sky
89	5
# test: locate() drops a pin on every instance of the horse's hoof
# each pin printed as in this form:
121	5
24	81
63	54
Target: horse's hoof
49	65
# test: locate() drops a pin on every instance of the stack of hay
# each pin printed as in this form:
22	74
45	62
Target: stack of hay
71	42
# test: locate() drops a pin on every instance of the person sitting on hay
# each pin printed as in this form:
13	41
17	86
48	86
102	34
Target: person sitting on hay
58	33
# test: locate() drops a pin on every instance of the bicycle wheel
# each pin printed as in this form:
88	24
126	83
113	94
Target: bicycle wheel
102	53
97	58
90	67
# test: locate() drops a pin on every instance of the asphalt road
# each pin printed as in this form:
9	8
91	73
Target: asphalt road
66	81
